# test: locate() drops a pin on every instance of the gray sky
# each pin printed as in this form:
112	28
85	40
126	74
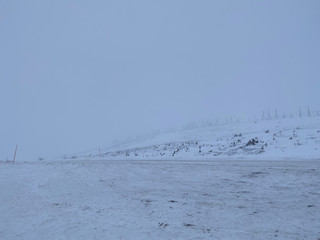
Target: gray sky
78	74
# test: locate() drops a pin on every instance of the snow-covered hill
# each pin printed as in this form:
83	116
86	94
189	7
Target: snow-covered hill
188	193
297	138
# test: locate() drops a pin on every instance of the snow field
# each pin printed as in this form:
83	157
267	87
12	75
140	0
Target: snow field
160	200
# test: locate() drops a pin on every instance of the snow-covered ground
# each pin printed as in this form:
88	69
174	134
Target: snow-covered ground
239	181
166	199
297	138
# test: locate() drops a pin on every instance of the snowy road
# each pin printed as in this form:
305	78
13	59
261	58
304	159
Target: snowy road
160	200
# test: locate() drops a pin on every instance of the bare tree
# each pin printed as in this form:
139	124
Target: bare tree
276	114
300	113
269	116
309	114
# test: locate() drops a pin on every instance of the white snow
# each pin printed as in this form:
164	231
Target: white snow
228	190
174	199
277	139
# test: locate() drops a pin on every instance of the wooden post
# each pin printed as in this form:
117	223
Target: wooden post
15	153
99	152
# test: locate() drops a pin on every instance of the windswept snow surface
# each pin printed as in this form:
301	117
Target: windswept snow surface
290	139
165	199
239	181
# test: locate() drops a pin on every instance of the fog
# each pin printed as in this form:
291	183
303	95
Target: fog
75	75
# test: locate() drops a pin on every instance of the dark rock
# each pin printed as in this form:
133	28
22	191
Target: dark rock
252	142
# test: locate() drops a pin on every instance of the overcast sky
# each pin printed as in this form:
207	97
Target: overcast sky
75	75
